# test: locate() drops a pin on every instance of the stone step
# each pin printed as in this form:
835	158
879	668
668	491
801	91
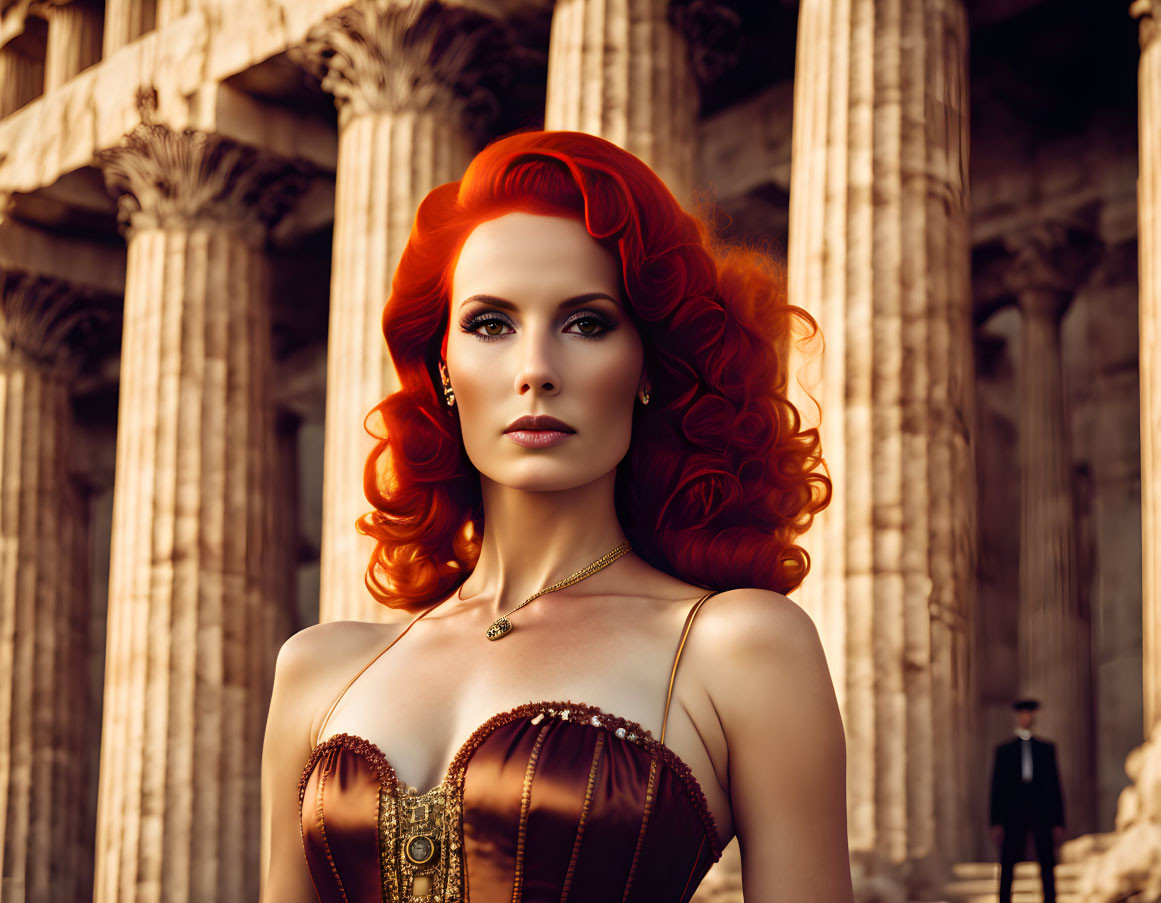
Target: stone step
971	870
979	882
1027	894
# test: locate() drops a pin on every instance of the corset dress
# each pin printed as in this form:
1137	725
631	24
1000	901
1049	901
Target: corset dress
547	801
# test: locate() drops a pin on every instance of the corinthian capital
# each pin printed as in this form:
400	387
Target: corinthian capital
41	320
162	177
395	55
1049	261
1149	12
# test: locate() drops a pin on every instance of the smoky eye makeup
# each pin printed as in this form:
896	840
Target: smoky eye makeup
491	325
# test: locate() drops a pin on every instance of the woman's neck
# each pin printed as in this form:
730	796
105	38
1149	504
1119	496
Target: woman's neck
534	539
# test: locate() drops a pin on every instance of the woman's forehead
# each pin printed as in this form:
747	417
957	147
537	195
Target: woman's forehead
519	251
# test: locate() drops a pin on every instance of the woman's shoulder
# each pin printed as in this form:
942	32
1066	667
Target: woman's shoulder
762	664
314	664
315	655
756	631
750	615
734	617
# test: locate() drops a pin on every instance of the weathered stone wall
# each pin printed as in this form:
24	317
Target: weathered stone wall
1017	183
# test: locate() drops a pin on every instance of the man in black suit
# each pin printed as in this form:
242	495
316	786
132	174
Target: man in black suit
1026	798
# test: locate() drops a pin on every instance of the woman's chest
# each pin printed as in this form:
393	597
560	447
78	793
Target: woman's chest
422	708
548	798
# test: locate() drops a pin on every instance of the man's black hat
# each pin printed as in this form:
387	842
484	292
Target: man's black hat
1032	704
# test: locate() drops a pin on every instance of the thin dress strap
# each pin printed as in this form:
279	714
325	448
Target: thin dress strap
676	658
398	637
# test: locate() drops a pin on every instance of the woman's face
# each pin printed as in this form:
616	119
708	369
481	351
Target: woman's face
538	330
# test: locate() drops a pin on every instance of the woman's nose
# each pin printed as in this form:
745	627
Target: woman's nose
536	369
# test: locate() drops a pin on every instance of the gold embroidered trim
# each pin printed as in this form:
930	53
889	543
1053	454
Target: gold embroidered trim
644	823
365	748
416	839
584	814
522	828
318	811
388	834
395	871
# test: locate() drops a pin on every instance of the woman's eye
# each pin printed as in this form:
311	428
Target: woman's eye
487	327
589	326
492	327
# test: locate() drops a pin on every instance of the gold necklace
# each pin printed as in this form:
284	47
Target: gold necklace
502	626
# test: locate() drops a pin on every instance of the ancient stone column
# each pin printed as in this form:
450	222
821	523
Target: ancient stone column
1149	244
74	40
126	21
21	77
879	253
1049	264
190	576
395	72
623	69
45	832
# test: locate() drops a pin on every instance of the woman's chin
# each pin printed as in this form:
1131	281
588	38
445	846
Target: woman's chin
542	476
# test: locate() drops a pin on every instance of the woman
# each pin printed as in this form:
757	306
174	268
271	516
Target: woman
592	431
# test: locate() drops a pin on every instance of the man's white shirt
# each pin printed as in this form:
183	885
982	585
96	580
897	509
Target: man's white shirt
1025	736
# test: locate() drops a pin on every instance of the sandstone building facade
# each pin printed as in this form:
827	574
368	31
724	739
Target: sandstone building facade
201	205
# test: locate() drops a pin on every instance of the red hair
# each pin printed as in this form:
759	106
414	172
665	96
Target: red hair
720	477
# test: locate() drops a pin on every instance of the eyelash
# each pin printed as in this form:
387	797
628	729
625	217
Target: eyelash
471	323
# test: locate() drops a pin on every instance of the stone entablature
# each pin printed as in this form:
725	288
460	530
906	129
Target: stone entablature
186	62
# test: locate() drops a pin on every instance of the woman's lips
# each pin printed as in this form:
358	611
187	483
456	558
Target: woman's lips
537	438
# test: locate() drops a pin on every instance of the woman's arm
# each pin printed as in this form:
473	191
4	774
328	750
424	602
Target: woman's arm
284	877
787	750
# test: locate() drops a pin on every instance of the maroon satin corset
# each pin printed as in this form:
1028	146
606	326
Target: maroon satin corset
547	801
536	806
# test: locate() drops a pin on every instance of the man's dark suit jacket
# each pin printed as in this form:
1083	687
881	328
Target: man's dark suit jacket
1046	802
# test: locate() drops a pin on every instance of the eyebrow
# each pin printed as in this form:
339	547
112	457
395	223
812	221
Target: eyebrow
574	301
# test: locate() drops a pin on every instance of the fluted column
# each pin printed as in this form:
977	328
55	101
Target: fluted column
624	70
1049	264
879	253
74	41
45	828
394	72
190	576
1149	245
125	21
21	78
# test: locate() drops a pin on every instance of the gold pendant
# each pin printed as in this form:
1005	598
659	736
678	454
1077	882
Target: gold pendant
499	628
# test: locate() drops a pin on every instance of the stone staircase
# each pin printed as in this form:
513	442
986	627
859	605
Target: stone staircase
979	882
971	882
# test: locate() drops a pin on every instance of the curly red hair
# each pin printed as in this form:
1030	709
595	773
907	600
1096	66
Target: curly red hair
721	476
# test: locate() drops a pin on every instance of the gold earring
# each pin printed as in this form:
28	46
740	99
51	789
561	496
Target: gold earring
448	395
644	396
